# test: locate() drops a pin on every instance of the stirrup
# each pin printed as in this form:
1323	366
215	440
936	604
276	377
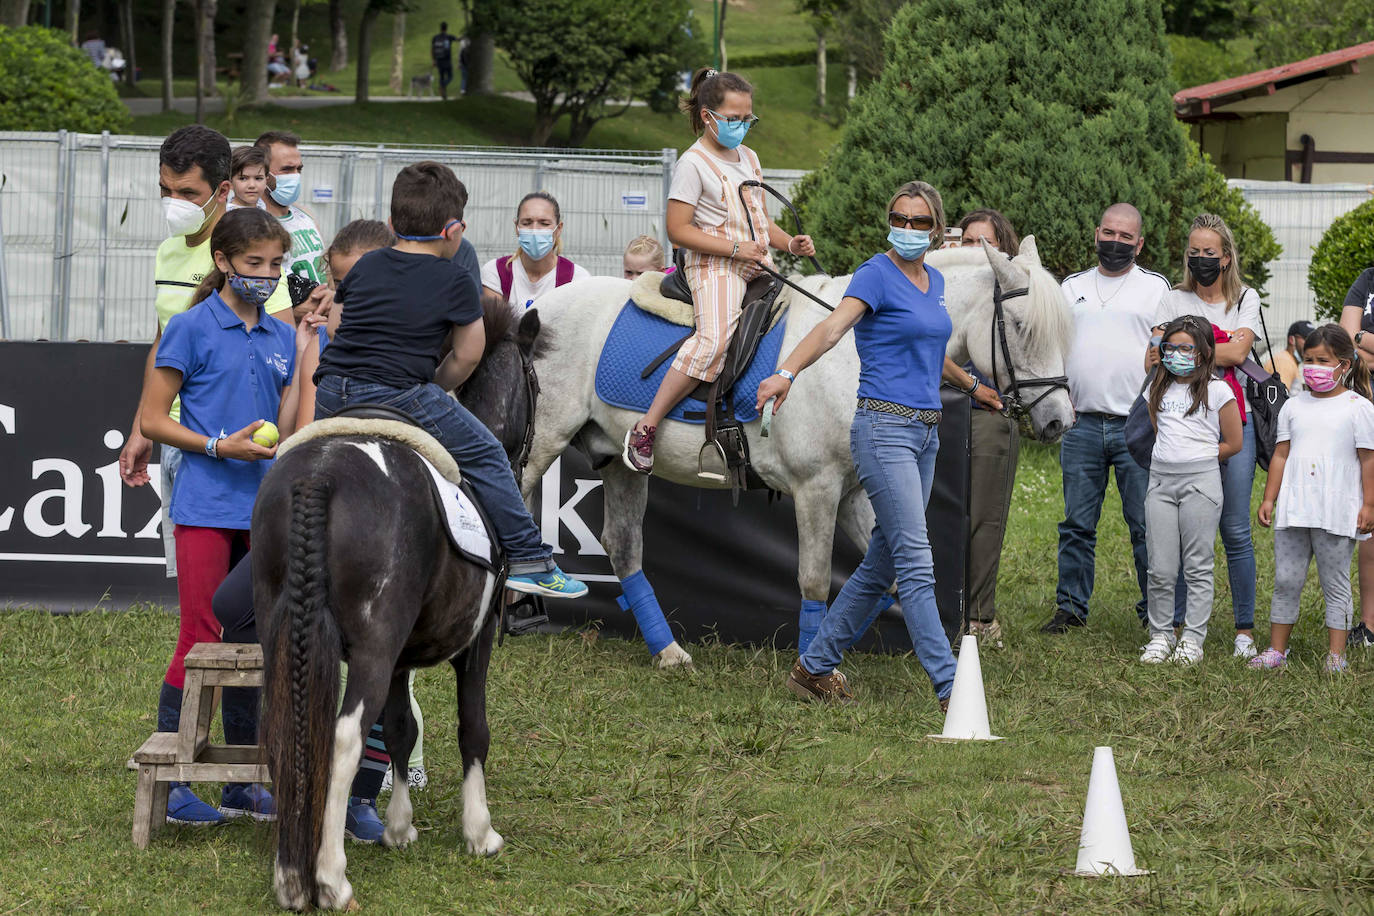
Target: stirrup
712	476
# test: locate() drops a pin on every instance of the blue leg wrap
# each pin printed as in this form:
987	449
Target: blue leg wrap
639	599
809	623
886	601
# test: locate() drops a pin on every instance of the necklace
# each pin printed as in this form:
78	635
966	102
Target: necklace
1097	286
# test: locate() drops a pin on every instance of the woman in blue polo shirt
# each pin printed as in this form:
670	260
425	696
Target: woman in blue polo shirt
233	366
896	306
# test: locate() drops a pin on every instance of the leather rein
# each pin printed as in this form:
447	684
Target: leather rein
1013	404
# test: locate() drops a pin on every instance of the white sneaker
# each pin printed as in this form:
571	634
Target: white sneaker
1157	649
1245	647
1188	652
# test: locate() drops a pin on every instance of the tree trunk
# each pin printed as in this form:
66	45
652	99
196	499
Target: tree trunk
720	46
544	119
15	13
338	54
370	15
481	48
126	28
257	31
853	88
205	54
398	51
579	129
73	20
169	9
295	33
820	70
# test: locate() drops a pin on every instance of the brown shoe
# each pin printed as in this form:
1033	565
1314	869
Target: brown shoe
989	634
944	706
832	687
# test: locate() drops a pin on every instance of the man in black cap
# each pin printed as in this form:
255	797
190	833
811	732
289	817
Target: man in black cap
1288	362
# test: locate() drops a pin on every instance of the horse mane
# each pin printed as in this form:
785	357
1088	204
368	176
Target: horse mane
1049	323
498	318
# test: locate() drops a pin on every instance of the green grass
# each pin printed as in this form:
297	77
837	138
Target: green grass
621	789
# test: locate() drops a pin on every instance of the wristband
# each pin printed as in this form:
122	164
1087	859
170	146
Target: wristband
734	251
974	387
789	245
790	376
212	445
1358	335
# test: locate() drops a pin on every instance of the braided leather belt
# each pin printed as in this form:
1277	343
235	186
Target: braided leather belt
925	415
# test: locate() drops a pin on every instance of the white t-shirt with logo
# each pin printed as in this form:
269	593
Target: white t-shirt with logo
1321	479
1112	321
694	183
523	291
1179	438
307	248
1246	313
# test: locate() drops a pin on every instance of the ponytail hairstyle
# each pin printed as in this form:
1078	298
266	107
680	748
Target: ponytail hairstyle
557	219
1336	340
236	232
708	90
1231	286
646	246
1200	330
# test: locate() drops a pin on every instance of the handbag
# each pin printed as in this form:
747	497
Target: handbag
1139	431
1267	394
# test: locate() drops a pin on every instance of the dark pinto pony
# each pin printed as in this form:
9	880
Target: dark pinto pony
353	565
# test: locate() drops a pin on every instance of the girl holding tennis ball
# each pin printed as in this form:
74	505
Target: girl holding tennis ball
232	365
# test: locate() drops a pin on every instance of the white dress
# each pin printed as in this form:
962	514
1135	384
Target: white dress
1321	479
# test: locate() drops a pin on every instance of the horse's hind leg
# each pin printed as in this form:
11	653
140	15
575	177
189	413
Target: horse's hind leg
474	739
399	731
361	702
622	534
816	504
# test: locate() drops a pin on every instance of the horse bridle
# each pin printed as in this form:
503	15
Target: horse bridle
532	394
1012	404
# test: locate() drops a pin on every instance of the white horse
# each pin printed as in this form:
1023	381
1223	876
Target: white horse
806	454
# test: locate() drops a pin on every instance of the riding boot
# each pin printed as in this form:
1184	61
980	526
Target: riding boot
169	708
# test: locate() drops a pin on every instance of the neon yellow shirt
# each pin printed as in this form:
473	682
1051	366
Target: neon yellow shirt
177	271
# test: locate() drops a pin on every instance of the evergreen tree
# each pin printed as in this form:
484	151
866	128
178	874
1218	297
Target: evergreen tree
1048	110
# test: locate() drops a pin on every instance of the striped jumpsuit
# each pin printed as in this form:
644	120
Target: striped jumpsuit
718	283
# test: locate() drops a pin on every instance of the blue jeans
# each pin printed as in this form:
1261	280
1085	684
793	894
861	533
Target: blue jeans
1094	445
1237	483
895	458
483	462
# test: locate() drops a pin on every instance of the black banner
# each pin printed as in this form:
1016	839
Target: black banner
72	535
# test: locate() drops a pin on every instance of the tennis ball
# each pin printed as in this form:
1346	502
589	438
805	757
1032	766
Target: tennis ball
266	435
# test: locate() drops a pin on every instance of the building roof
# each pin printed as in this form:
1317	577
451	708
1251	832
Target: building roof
1199	102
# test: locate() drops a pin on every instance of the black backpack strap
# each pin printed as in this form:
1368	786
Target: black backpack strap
1268	347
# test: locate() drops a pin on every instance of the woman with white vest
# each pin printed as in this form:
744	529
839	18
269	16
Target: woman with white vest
537	266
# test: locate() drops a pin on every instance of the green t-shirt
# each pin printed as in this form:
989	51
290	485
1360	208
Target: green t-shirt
178	270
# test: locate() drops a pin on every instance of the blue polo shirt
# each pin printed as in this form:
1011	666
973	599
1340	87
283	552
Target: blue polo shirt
901	338
229	378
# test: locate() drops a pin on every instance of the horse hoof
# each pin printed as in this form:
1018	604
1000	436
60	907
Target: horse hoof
337	898
291	891
489	845
400	839
673	656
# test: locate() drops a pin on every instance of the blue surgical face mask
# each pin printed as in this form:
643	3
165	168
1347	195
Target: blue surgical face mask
536	242
909	244
730	134
288	189
1180	364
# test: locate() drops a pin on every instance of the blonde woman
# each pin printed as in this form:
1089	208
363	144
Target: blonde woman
537	265
1212	289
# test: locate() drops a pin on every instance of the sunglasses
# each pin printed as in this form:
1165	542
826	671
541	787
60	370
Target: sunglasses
746	120
1169	348
898	221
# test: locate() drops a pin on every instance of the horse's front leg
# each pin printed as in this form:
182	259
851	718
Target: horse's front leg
399	731
622	534
474	739
817	502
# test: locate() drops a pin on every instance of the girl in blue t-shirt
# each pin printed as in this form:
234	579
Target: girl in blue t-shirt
896	307
232	366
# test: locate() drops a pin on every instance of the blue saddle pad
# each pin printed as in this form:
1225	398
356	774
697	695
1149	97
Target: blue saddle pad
637	338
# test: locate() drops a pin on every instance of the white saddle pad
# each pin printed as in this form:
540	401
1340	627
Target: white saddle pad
466	527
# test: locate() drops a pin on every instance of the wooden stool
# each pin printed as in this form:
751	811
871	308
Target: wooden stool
187	755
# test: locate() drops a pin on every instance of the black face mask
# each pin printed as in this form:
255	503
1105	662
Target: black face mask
1204	270
1114	256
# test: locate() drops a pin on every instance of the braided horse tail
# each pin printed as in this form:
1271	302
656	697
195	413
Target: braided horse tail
301	690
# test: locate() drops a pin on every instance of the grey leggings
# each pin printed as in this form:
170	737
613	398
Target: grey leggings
1294	549
1182	510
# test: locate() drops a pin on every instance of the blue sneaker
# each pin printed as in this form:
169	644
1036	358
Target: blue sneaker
361	822
552	584
184	807
251	799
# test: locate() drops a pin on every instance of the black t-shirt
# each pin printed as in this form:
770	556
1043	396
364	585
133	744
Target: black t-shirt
398	310
1361	296
439	47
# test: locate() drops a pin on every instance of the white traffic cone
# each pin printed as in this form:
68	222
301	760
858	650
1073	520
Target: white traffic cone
967	718
1105	846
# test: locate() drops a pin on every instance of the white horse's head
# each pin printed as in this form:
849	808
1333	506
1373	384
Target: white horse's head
1038	325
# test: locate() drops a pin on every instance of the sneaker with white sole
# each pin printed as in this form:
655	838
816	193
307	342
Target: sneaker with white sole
638	453
1336	663
1269	658
1158	649
1245	646
1187	652
1360	635
552	584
